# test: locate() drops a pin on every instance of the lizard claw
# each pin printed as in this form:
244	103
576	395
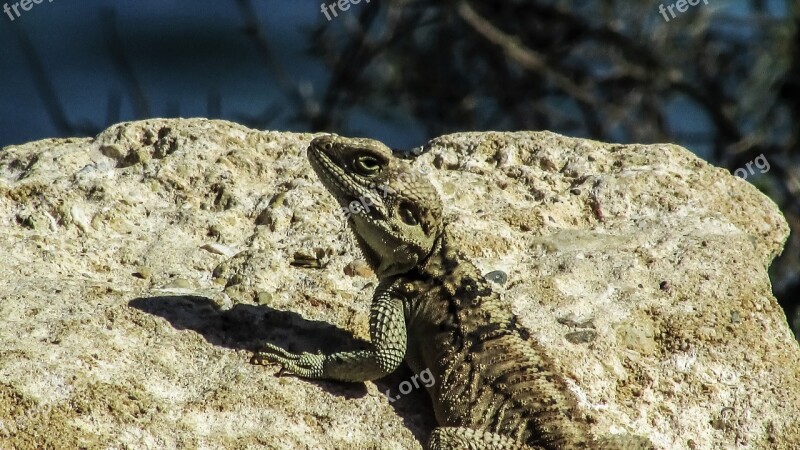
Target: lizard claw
307	365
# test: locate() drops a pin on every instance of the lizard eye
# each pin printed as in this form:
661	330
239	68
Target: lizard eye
367	165
408	215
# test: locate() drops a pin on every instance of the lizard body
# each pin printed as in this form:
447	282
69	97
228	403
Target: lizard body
494	389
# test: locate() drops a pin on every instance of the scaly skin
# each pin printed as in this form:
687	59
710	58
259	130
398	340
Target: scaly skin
494	388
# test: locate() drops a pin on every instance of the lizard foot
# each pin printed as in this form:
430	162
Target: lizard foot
307	365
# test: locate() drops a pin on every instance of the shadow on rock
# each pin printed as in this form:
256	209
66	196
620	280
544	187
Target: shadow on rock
249	327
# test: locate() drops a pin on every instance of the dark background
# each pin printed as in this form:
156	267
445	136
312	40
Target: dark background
722	79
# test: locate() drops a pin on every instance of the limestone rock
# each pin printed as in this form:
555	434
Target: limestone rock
142	267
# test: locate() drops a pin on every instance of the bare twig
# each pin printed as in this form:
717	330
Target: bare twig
524	56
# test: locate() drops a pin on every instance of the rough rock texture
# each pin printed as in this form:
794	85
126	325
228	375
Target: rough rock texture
140	268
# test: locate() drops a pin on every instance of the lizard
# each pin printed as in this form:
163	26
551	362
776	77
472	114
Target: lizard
494	388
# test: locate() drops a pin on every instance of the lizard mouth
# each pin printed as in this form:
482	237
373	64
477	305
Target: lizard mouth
332	175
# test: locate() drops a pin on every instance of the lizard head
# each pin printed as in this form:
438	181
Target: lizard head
393	210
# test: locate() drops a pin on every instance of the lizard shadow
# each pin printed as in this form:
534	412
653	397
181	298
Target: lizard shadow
249	327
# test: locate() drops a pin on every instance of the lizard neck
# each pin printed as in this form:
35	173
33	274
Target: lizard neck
435	261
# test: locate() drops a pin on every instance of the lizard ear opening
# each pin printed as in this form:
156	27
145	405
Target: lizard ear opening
408	214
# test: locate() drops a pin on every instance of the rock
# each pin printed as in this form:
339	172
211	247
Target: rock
358	268
497	276
219	249
143	272
660	254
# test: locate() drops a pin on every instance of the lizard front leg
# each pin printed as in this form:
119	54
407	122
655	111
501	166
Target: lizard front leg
458	438
387	329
